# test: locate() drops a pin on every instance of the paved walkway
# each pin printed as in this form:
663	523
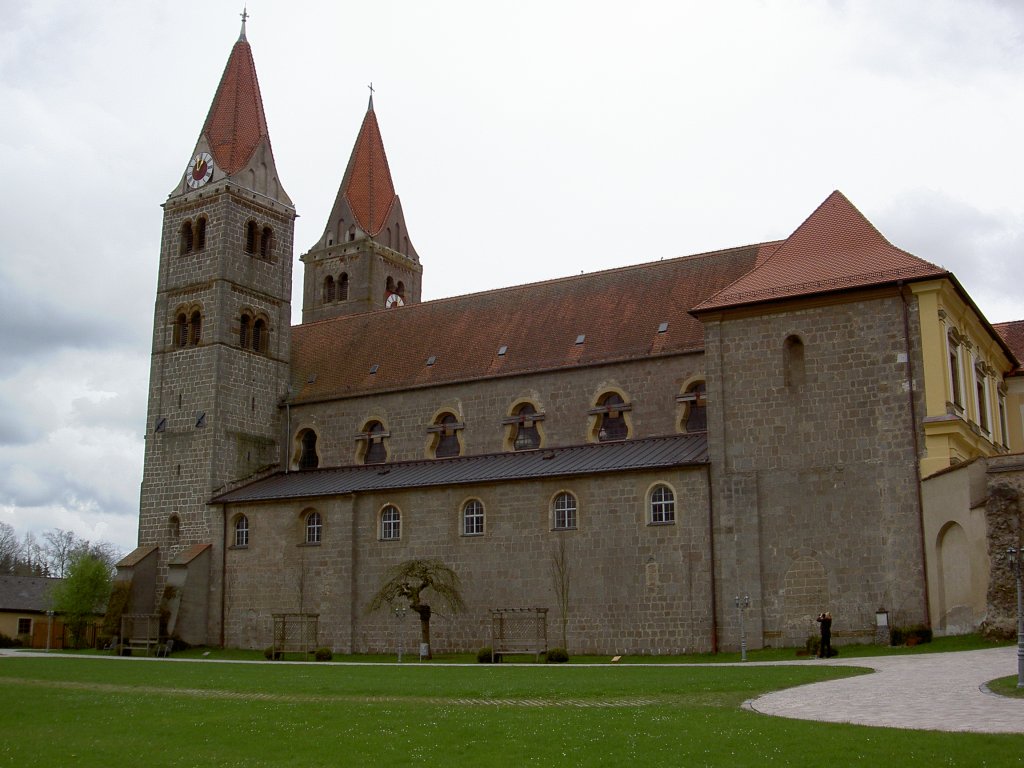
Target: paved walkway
929	691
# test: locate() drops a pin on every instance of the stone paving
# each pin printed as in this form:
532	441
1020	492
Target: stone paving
929	691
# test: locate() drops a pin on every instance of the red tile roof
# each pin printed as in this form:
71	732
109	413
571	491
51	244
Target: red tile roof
1013	334
367	183
835	249
618	311
236	123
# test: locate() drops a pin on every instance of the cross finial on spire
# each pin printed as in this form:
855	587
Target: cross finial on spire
245	15
370	108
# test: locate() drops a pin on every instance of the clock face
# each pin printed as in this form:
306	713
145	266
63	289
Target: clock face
393	300
200	170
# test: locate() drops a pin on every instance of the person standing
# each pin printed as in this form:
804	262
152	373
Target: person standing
825	649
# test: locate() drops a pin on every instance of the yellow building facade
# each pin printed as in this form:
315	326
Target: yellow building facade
965	368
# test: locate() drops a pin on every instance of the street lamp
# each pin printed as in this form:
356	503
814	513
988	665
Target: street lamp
49	627
742	603
399	615
1013	554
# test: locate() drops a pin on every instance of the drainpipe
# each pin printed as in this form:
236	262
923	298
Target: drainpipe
917	449
711	543
223	567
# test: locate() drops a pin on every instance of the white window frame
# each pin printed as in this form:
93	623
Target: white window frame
314	528
662	510
390	523
565	512
473	518
241	532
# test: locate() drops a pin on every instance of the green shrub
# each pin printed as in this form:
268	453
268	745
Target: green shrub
271	655
323	654
557	656
9	642
483	656
912	635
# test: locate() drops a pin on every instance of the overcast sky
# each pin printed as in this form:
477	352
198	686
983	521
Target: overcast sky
527	141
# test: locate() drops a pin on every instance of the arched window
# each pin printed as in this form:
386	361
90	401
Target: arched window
308	458
250	237
663	505
343	287
174	527
389	286
376	451
201	233
187	238
563	512
695	411
352	233
390	523
387	237
266	242
611	419
259	336
314	528
400	289
244	331
329	289
793	361
446	444
524	434
473	518
195	328
241	531
181	330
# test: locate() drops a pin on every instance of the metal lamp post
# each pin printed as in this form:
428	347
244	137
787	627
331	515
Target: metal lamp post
1014	556
399	615
742	603
49	625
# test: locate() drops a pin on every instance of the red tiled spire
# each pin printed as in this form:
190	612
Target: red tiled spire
367	185
236	123
836	248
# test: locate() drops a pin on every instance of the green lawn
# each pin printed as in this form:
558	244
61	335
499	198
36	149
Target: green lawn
114	712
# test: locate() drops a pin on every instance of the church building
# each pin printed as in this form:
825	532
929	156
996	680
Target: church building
632	466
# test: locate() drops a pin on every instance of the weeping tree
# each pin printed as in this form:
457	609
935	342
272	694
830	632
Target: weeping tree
406	583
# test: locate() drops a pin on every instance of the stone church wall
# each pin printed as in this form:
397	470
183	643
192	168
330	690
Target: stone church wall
634	587
814	467
650	386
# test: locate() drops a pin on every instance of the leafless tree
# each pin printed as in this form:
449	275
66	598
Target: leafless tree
58	547
9	547
560	574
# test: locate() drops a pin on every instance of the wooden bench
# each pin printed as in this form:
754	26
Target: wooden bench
519	630
140	632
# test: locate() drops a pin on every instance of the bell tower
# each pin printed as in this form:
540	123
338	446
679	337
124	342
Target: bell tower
364	260
221	327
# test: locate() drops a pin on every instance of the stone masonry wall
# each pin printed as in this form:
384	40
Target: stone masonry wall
218	402
563	396
634	587
814	471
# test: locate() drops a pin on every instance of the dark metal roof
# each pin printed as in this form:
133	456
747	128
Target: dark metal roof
25	593
650	453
